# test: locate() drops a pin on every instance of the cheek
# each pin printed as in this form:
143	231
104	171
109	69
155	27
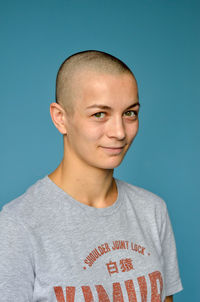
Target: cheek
132	130
88	133
93	132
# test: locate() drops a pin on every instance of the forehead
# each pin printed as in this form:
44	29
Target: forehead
105	88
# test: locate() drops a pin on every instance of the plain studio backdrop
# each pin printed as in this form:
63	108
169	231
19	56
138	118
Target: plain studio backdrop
160	42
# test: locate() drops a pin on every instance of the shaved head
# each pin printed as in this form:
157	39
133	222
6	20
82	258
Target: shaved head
71	73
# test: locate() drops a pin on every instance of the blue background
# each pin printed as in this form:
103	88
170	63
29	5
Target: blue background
159	40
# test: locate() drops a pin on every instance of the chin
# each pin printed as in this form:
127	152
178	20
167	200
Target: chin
111	165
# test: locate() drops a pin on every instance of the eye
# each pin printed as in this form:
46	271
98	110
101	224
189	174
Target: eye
131	113
99	115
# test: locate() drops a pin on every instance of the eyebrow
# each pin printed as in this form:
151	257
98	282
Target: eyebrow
109	108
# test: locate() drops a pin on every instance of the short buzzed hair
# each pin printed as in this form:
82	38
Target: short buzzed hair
93	60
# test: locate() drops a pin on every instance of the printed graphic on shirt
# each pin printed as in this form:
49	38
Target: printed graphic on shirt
116	245
113	267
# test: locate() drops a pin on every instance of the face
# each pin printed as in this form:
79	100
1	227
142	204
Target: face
105	120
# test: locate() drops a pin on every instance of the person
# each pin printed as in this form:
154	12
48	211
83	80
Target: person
79	233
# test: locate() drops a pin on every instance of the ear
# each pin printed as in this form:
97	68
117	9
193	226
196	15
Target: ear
58	116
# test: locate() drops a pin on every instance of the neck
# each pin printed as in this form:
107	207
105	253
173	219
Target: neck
88	185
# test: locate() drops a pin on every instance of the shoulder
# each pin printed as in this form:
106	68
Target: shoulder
141	193
142	199
28	205
146	207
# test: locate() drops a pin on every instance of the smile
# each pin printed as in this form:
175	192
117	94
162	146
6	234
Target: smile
113	150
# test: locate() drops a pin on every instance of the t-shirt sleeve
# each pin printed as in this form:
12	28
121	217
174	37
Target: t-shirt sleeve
171	271
16	263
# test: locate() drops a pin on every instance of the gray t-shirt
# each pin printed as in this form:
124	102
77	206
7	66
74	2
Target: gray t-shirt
56	249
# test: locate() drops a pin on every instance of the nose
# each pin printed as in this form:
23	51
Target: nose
116	128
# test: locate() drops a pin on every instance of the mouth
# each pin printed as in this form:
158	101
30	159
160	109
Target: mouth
113	150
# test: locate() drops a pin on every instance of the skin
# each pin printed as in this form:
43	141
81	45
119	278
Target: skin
86	170
88	132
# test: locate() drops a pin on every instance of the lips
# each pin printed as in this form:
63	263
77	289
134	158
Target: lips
114	147
113	150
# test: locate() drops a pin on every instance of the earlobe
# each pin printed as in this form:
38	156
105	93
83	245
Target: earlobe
58	117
